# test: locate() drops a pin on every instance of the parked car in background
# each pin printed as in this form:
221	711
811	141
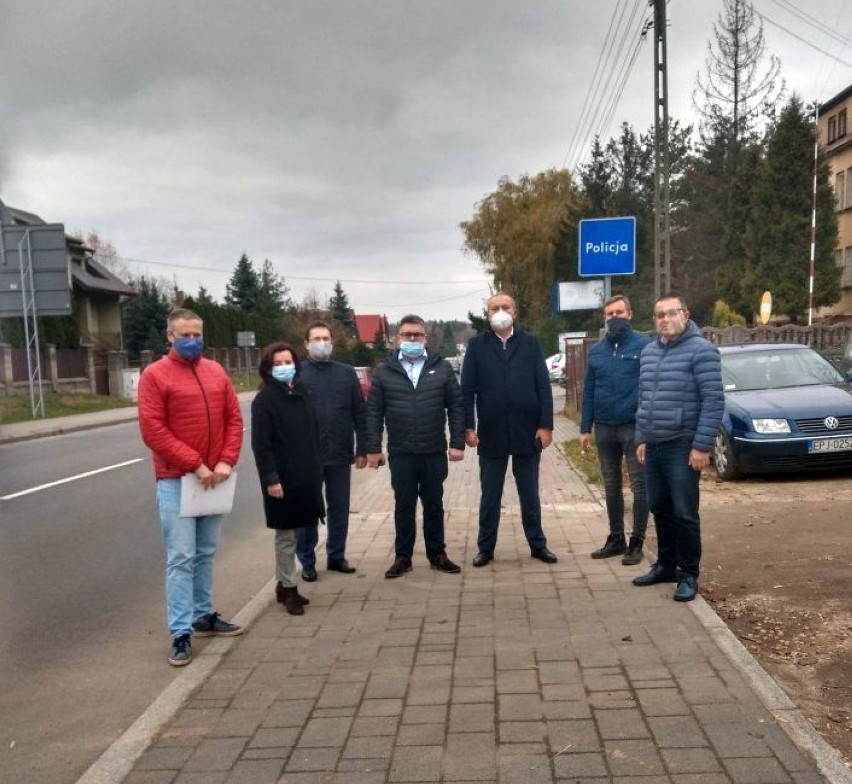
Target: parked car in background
786	408
365	379
555	367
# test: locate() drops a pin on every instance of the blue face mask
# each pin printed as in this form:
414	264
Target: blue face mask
188	348
284	373
411	349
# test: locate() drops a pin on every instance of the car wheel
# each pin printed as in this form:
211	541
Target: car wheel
723	457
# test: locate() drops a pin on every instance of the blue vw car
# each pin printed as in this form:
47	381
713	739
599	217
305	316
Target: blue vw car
786	409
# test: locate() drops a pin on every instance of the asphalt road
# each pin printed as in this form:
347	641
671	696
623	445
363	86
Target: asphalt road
83	645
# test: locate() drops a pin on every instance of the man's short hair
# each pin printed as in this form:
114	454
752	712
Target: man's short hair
672	295
411	318
317	325
618	298
183	313
502	294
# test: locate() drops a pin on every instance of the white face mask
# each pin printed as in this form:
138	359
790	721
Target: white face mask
501	320
320	350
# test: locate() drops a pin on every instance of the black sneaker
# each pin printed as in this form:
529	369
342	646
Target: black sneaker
400	566
309	574
180	654
634	552
213	626
444	564
615	545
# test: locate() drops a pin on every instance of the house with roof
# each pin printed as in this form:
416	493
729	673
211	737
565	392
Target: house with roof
835	139
368	327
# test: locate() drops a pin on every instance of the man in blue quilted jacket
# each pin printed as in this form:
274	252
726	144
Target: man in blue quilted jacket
681	402
610	397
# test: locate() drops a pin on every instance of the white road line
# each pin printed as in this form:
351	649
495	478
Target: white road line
71	479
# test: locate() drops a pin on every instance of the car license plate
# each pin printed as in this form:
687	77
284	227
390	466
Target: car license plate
821	445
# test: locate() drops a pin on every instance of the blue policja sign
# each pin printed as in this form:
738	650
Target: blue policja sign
607	246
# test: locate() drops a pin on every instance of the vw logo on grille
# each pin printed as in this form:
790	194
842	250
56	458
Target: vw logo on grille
831	423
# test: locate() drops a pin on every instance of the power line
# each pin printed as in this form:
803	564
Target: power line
125	260
419	303
803	40
609	63
812	21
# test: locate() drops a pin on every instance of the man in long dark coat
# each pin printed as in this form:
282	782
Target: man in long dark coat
508	411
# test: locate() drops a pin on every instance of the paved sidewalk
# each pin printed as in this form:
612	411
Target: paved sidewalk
54	426
516	672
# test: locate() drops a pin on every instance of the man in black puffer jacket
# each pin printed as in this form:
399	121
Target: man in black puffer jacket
414	394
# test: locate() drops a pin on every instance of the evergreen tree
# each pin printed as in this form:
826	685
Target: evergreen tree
596	182
777	243
340	310
273	294
243	288
144	318
203	297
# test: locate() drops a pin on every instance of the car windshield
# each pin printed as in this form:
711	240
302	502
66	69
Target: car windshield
771	369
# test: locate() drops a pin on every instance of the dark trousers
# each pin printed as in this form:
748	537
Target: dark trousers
615	443
673	498
492	475
337	480
413	477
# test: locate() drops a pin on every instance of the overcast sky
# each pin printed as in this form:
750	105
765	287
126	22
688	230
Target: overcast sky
339	139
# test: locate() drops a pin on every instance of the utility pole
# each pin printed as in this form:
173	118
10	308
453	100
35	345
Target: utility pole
662	245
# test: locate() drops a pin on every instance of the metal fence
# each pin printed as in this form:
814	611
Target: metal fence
829	341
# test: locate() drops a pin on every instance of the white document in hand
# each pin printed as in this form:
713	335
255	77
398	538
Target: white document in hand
196	501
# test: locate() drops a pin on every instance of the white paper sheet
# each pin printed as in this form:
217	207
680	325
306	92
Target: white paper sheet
196	501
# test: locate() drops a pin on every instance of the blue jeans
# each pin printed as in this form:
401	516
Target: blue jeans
492	476
614	443
412	477
673	498
337	480
190	546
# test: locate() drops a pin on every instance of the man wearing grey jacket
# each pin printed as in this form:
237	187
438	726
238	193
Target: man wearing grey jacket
681	402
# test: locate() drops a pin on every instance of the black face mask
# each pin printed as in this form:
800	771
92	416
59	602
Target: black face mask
617	328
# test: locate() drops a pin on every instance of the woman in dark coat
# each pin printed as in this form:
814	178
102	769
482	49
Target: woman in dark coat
286	450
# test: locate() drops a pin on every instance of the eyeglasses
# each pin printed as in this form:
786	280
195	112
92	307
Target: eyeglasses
670	313
412	335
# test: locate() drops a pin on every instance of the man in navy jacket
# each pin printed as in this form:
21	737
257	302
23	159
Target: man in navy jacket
335	398
508	411
610	397
681	403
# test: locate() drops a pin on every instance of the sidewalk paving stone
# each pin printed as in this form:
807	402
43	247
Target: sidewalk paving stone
515	672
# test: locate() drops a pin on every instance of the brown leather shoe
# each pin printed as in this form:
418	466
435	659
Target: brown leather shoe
399	567
279	594
291	601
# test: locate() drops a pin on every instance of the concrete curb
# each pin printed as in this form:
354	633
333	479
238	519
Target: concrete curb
828	759
116	763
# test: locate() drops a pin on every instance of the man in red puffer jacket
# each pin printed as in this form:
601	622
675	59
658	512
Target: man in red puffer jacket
190	418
